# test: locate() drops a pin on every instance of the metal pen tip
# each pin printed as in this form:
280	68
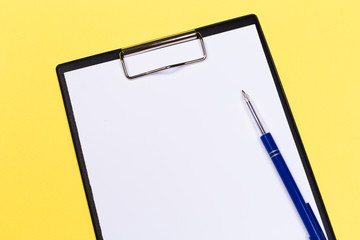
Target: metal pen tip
253	113
245	95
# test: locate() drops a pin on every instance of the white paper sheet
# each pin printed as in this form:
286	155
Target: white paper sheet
175	155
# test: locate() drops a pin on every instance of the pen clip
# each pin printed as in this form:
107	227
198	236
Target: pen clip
316	224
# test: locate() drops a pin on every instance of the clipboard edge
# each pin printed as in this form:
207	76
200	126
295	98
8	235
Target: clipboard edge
205	31
297	139
79	154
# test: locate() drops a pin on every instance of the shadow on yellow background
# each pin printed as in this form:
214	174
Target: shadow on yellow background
315	46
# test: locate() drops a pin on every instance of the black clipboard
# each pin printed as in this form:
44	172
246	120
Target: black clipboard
204	32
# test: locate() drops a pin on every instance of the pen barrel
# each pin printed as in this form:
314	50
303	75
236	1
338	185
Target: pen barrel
303	208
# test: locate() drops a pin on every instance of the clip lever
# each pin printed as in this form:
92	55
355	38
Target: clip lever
157	44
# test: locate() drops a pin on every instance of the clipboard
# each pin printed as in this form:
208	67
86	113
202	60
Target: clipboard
166	148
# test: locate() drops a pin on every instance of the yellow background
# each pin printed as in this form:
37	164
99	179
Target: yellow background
315	45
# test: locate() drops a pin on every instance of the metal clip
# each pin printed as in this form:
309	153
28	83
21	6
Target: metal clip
157	44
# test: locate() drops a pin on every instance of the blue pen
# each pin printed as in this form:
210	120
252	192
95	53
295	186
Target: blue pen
304	209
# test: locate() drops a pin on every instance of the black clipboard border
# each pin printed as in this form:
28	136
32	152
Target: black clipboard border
205	31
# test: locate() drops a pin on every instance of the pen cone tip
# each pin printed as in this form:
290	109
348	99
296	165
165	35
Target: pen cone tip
244	94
